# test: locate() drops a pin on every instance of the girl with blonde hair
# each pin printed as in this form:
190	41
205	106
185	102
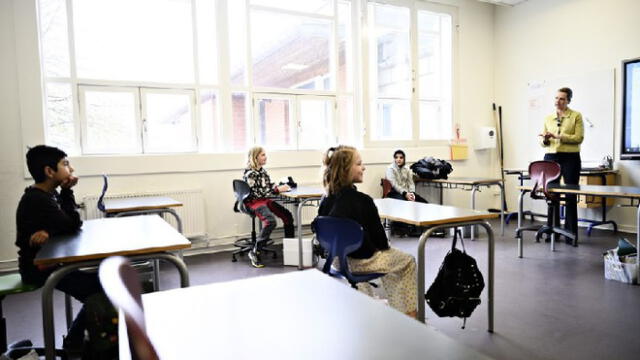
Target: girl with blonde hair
343	169
266	209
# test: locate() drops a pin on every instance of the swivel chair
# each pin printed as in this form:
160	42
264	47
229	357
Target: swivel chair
340	237
242	191
542	173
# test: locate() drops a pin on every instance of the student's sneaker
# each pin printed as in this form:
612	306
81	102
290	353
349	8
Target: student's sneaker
255	260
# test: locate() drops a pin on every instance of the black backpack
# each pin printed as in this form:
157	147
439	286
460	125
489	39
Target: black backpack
458	285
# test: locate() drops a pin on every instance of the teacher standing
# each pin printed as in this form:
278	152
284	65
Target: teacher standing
562	135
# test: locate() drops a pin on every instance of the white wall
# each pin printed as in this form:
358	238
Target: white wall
213	173
547	39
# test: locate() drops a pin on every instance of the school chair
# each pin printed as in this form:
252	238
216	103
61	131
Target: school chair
11	284
105	186
340	237
242	191
542	173
122	286
386	187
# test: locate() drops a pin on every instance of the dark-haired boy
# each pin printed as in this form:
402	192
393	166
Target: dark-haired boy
43	213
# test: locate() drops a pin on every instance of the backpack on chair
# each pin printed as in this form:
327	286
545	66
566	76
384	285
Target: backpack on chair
458	285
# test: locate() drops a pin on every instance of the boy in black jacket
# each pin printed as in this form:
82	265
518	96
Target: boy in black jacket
43	213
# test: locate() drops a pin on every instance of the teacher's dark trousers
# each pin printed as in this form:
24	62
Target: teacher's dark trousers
570	165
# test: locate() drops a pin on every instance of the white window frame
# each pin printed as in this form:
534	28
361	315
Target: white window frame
414	6
293	126
81	90
192	121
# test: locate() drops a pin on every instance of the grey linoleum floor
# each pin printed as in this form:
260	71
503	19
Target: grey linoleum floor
548	305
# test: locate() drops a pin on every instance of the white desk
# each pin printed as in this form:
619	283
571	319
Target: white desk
469	184
301	315
434	217
138	237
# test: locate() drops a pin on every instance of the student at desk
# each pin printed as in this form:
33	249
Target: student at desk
265	209
344	168
562	134
402	188
42	213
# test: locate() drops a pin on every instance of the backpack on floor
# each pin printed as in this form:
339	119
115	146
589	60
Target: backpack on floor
102	327
458	285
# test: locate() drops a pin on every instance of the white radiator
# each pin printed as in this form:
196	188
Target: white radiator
191	212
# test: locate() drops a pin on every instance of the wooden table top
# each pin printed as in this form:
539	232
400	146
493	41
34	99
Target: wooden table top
421	214
101	238
299	315
139	203
462	181
303	192
595	190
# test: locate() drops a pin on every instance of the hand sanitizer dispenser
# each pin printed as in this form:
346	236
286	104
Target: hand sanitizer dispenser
485	137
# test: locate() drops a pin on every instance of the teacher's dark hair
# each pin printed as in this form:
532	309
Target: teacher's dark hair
567	91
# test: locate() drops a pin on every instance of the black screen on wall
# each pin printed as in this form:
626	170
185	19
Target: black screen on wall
631	110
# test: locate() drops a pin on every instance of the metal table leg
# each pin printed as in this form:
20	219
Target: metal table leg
518	232
422	262
299	207
473	207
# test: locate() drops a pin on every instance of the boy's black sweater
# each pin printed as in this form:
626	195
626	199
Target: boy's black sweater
352	204
39	210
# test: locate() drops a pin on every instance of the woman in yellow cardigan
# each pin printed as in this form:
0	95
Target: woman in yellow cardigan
562	135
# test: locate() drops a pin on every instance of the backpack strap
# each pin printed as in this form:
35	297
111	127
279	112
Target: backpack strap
457	231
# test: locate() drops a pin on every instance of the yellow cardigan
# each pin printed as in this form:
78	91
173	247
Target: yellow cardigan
571	131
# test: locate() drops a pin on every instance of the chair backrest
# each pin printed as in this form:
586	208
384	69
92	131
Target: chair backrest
242	191
121	284
542	173
105	186
339	237
386	187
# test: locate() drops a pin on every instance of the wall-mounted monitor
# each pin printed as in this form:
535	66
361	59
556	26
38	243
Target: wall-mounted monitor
630	110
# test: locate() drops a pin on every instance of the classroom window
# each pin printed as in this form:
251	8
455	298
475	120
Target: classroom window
176	76
121	77
404	107
301	62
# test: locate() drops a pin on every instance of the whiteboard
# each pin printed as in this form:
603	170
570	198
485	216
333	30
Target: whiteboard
593	96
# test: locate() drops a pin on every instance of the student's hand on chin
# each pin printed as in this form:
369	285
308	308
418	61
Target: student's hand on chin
69	182
38	238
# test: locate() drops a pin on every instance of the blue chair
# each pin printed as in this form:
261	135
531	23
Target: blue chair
105	186
340	237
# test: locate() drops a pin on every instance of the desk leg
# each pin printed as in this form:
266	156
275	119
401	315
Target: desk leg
421	269
55	277
299	230
502	208
518	232
473	207
491	266
422	262
300	206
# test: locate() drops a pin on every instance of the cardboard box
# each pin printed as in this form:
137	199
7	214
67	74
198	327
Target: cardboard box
290	251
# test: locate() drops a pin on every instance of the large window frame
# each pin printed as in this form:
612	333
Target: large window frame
358	111
370	100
